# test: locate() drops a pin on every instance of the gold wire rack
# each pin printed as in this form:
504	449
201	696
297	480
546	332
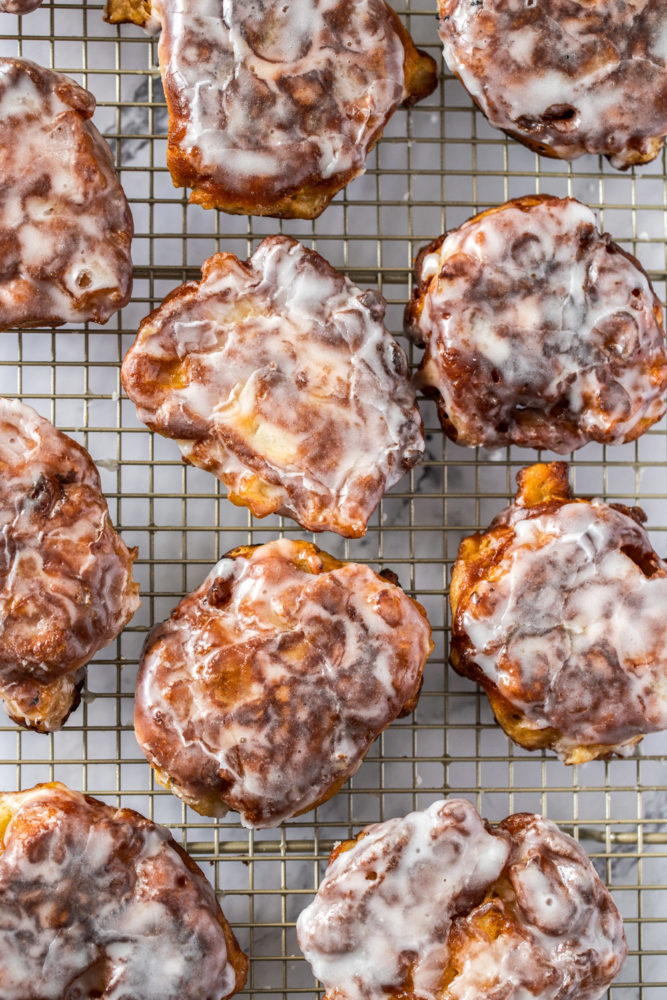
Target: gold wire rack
437	164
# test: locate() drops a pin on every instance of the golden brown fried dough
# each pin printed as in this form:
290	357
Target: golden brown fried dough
278	375
539	330
565	77
439	905
273	107
264	690
66	587
100	902
65	224
559	613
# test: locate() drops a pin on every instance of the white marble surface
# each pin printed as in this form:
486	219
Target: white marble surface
436	166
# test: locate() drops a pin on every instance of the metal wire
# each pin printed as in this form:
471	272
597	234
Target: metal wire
436	165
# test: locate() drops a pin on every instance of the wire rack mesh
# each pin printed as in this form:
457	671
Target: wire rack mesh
436	165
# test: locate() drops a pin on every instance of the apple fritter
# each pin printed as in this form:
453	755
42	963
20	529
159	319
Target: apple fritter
65	224
558	611
439	905
101	902
66	587
568	77
539	330
274	106
278	375
265	689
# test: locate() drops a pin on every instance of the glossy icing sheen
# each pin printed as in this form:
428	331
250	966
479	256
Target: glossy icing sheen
279	376
440	905
66	585
267	686
539	331
65	225
98	902
574	76
278	93
571	627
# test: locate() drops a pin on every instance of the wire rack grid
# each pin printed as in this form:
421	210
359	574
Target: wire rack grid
436	165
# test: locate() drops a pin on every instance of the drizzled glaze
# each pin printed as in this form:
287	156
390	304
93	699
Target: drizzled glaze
439	904
565	76
66	587
565	620
268	684
100	902
278	375
269	98
65	225
539	331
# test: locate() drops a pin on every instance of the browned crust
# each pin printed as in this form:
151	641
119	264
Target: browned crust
237	958
149	382
312	198
209	804
421	287
309	201
493	917
51	703
543	488
634	157
127	11
94	162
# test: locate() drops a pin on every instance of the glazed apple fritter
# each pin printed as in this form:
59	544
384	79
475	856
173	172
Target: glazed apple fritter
274	106
66	587
559	613
539	330
264	690
279	376
439	905
566	77
65	224
100	902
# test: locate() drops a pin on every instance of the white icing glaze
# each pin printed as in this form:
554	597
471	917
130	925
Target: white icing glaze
66	586
397	912
97	902
269	683
539	331
279	377
574	76
571	630
272	95
65	225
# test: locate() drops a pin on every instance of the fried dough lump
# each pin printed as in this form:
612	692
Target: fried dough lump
65	224
440	905
274	106
559	613
66	587
265	689
539	330
279	376
565	77
99	902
